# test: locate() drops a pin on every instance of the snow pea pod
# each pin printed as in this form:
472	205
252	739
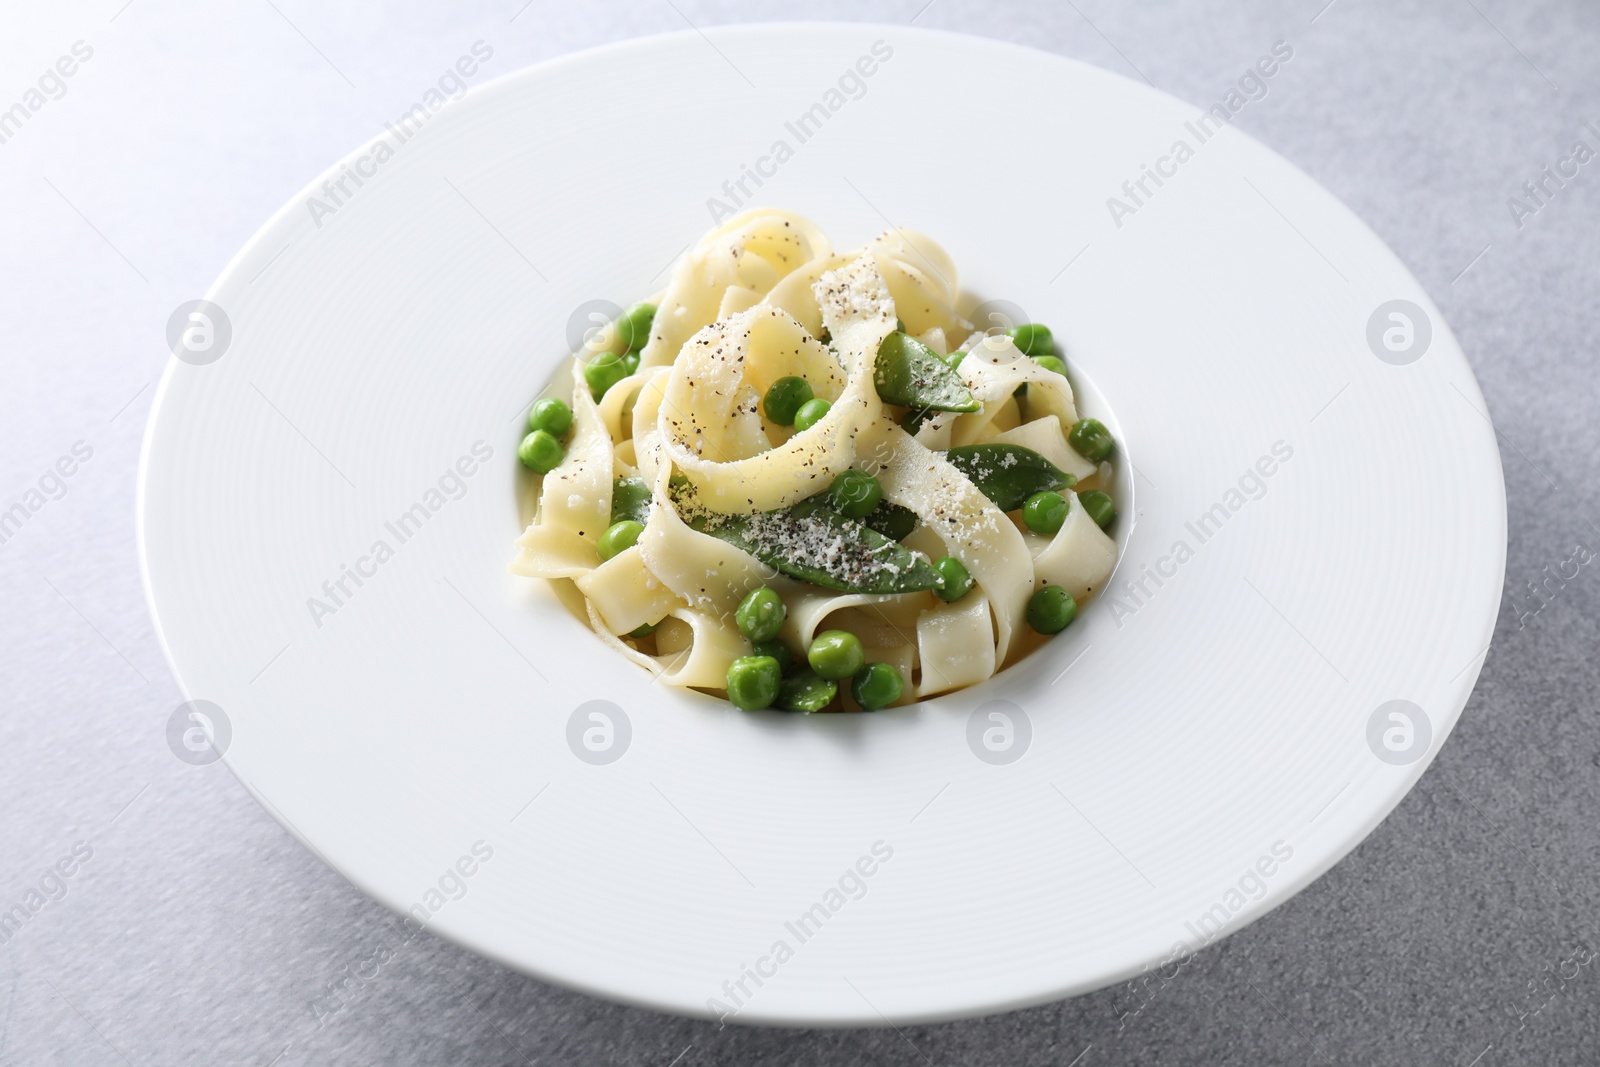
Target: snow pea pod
894	521
630	500
910	373
812	542
1007	474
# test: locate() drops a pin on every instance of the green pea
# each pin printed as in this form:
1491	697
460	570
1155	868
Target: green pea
836	654
811	413
1099	506
540	452
1091	439
630	362
954	581
806	690
633	329
604	371
1051	610
619	537
644	631
776	650
784	399
855	493
1033	339
753	682
1045	512
552	416
761	614
954	359
877	685
1051	363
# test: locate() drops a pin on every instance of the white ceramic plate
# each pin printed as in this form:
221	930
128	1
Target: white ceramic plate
1191	758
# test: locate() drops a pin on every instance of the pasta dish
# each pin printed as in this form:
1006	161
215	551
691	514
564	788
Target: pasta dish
802	480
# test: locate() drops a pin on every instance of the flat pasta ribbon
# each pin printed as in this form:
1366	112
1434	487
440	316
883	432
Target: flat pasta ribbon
710	423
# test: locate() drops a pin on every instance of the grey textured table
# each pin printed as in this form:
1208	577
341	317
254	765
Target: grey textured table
193	929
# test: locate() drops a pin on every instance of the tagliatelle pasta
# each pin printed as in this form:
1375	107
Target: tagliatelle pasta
574	502
801	479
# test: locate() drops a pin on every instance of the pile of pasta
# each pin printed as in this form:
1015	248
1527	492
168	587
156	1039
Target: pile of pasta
759	298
